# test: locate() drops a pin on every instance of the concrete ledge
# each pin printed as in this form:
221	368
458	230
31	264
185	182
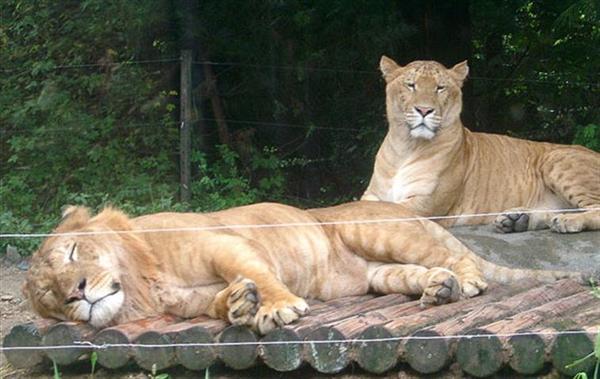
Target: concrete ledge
540	249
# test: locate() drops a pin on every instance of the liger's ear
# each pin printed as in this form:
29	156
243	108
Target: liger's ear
389	68
73	217
460	71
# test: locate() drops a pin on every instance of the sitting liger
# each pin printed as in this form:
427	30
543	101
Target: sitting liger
434	166
250	265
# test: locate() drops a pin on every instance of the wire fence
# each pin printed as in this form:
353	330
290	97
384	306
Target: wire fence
21	71
295	224
91	345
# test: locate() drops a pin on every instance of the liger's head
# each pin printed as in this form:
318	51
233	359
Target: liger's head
423	96
74	275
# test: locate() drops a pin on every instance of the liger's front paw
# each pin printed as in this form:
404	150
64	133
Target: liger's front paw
442	287
513	220
243	302
279	313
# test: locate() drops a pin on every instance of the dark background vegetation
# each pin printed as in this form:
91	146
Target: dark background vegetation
288	102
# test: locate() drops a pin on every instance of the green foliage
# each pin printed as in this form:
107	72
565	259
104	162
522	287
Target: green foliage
56	373
153	374
84	121
93	361
544	50
588	136
593	355
596	353
223	185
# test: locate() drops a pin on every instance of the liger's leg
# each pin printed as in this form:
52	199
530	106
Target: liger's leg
435	285
240	263
572	174
420	242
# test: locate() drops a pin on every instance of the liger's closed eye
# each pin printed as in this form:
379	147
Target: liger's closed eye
72	255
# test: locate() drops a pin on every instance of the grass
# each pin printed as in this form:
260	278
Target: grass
594	354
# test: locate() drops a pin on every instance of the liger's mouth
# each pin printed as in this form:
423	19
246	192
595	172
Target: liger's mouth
99	301
423	125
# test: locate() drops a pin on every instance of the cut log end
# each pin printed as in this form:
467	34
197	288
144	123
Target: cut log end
282	357
329	358
112	356
25	335
527	353
241	356
376	356
70	335
568	348
480	355
154	356
195	357
427	355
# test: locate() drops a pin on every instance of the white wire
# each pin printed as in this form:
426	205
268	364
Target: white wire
294	224
88	344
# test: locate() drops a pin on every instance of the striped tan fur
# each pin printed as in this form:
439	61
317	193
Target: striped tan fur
110	268
433	165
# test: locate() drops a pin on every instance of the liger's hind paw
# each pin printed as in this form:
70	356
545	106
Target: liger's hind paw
566	223
512	221
443	287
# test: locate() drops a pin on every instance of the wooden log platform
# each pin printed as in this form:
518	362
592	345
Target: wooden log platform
510	328
523	329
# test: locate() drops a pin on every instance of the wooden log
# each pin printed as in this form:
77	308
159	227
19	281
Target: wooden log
241	356
357	324
524	320
278	351
26	335
568	348
154	355
327	357
68	334
340	309
403	326
411	322
424	356
201	330
527	352
375	356
482	315
117	356
480	356
289	356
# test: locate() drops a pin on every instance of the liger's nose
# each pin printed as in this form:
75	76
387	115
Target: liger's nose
116	286
424	111
77	293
